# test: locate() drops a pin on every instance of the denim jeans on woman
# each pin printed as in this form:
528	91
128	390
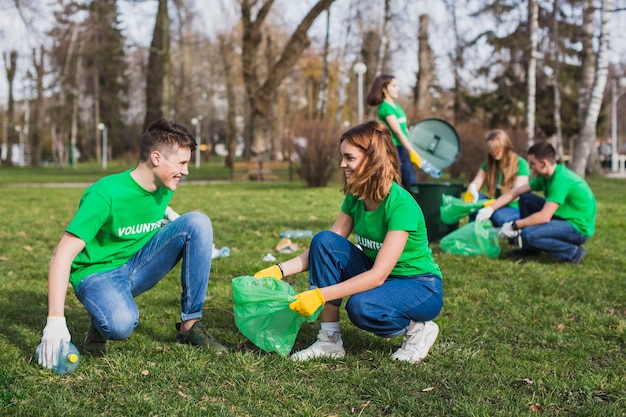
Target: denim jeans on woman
109	296
387	310
557	237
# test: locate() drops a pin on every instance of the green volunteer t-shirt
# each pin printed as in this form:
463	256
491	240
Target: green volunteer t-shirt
523	170
398	211
385	109
577	204
115	218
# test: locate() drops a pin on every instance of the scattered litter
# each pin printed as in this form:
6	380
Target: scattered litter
285	245
222	252
269	258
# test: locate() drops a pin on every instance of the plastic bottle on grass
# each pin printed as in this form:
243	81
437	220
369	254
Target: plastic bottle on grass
68	358
430	169
296	234
224	251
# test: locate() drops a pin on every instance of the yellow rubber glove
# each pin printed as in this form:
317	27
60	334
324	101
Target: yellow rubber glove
415	159
489	202
308	302
471	195
273	271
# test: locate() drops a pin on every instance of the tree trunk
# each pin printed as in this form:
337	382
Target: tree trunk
35	143
383	48
533	15
585	142
344	69
556	58
423	99
10	63
226	49
322	96
157	78
587	57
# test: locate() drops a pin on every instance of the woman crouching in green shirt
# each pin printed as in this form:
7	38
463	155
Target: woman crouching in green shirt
391	279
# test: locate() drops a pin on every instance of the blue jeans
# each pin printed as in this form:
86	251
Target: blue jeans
500	216
557	237
109	296
387	310
407	172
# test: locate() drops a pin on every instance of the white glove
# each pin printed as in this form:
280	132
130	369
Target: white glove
472	192
507	230
54	334
484	213
170	214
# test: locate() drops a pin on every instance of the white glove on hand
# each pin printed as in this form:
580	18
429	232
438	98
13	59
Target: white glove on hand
170	214
471	195
484	213
54	334
507	230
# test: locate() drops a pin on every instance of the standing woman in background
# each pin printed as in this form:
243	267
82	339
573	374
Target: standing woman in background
383	94
503	171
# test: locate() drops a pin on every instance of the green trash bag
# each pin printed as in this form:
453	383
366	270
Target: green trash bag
262	313
475	238
454	209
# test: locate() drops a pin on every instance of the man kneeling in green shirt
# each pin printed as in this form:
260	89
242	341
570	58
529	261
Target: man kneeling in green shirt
118	246
559	224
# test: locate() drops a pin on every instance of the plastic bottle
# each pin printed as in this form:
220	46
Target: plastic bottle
430	169
68	358
296	234
224	251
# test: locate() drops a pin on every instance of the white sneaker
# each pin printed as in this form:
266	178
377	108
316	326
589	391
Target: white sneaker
415	346
325	347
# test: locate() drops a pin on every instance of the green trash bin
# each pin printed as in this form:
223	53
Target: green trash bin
428	196
438	142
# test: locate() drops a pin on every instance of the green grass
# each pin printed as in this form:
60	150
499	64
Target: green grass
518	338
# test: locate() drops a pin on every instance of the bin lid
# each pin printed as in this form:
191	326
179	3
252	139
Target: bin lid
436	141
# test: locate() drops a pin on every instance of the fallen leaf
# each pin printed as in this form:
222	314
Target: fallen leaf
3	258
182	394
28	247
22	234
560	327
428	389
536	407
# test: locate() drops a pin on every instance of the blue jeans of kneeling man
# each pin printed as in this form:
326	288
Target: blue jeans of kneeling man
557	237
109	296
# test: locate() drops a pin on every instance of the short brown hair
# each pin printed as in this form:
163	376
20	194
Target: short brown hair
165	136
544	151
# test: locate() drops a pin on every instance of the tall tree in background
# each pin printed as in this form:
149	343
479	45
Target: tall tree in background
105	67
158	73
422	99
533	17
555	54
585	142
260	135
383	47
10	65
38	107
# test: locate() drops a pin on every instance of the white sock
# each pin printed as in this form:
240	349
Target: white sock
419	325
332	328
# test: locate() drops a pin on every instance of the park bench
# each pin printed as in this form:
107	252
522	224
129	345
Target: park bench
262	171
